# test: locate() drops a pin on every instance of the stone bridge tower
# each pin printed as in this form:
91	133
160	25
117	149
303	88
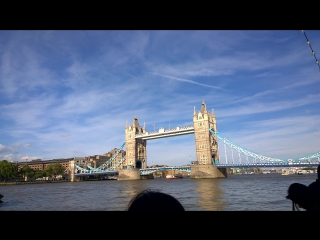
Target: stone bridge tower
136	153
206	143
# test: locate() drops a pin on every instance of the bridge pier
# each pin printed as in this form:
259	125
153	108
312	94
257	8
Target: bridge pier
132	174
72	171
144	177
207	171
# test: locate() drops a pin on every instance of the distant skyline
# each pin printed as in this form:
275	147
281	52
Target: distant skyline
70	93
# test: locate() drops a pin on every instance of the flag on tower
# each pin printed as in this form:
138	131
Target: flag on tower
152	124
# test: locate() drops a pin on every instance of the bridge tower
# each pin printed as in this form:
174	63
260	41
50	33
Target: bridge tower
136	153
135	148
206	145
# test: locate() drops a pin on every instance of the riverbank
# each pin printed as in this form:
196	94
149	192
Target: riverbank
48	181
30	182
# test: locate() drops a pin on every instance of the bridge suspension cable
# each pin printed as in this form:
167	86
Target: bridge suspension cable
244	151
109	165
257	156
310	157
81	169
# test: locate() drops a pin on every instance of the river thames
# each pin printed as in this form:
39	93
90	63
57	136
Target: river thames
256	192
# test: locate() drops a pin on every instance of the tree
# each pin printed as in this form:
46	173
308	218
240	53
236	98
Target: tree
55	169
40	173
26	171
7	169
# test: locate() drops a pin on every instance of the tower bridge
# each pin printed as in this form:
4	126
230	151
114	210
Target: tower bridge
134	164
206	146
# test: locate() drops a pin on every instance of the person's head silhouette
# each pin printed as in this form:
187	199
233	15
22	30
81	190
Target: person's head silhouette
304	196
149	200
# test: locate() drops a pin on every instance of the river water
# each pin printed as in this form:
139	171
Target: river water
256	192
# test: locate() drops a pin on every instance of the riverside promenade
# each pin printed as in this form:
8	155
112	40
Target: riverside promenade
31	182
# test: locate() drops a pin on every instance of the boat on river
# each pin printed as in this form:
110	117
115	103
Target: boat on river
285	172
174	176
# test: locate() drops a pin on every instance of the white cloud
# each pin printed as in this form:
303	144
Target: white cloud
5	149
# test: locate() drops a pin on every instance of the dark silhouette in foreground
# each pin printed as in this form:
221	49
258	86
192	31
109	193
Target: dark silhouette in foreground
316	184
1	196
303	196
153	201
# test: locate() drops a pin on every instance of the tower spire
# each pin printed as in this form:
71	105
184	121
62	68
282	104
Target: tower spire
203	107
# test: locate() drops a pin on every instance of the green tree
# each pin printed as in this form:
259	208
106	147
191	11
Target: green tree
55	169
7	169
40	173
26	171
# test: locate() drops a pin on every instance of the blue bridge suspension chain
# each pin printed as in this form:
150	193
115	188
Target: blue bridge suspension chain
244	151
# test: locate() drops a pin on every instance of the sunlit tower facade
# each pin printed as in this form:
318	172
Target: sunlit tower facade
206	143
136	154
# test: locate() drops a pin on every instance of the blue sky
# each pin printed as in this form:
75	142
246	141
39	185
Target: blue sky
69	93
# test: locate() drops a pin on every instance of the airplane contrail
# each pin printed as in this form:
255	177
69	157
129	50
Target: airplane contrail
189	81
